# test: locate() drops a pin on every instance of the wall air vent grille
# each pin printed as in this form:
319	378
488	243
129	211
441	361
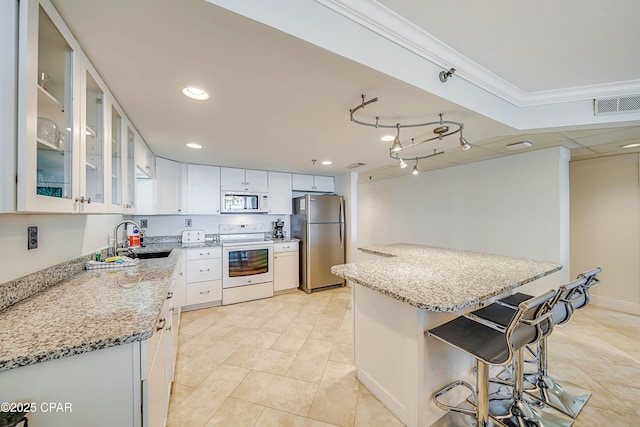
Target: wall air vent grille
355	165
624	104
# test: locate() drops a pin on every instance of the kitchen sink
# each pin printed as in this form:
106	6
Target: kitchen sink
150	255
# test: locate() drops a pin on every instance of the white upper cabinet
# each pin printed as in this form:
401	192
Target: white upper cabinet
48	112
167	191
144	160
234	179
75	151
280	193
317	183
203	189
8	88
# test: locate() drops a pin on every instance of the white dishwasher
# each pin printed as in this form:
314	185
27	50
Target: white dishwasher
286	277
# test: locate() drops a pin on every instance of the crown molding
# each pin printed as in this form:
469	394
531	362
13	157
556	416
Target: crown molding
385	22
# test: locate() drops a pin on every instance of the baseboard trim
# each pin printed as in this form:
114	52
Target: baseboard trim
615	304
398	409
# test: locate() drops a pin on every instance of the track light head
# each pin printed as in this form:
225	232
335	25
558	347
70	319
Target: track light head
444	75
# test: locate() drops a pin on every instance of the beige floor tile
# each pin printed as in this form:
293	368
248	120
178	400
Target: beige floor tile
238	334
274	418
204	400
193	372
259	359
310	361
288	344
234	412
242	321
261	339
370	412
277	392
342	352
336	398
597	417
195	345
178	393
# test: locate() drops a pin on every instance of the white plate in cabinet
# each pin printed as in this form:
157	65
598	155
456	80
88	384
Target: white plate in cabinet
204	292
204	253
200	270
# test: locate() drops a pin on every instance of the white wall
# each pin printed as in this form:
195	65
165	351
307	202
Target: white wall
605	227
60	238
347	186
516	205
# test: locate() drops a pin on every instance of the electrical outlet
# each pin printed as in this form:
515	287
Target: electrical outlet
32	237
143	223
187	222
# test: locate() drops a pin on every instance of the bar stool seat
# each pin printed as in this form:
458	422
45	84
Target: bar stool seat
492	344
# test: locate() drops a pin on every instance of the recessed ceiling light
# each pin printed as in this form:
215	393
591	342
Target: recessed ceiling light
632	145
519	145
195	93
327	162
194	145
388	138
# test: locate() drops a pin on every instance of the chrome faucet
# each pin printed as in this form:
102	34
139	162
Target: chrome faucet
116	247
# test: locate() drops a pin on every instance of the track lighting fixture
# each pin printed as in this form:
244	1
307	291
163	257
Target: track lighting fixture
442	129
444	75
396	147
415	170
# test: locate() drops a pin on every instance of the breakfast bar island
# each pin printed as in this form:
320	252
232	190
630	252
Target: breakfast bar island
408	289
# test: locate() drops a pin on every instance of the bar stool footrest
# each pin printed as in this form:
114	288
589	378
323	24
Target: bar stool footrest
453	408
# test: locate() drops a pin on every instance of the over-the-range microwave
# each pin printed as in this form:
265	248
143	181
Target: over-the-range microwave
244	202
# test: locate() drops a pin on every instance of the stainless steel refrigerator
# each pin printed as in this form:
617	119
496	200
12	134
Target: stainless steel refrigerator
318	221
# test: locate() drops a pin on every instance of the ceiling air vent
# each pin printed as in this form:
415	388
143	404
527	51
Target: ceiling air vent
623	104
355	165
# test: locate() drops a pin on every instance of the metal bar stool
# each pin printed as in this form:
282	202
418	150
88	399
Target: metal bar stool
491	344
564	396
567	398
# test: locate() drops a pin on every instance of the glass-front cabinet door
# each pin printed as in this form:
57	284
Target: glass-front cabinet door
117	148
131	171
47	112
92	137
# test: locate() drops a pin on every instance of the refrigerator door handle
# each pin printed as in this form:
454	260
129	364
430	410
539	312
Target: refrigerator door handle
341	219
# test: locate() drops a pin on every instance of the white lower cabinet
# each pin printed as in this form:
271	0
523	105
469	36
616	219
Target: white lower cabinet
286	277
203	277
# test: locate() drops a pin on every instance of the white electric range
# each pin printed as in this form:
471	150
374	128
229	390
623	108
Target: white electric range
247	263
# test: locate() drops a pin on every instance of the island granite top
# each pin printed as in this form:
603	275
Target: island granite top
91	310
439	279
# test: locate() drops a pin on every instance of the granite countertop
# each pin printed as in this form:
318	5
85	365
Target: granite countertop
438	279
91	310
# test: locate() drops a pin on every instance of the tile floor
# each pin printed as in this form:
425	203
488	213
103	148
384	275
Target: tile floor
286	361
